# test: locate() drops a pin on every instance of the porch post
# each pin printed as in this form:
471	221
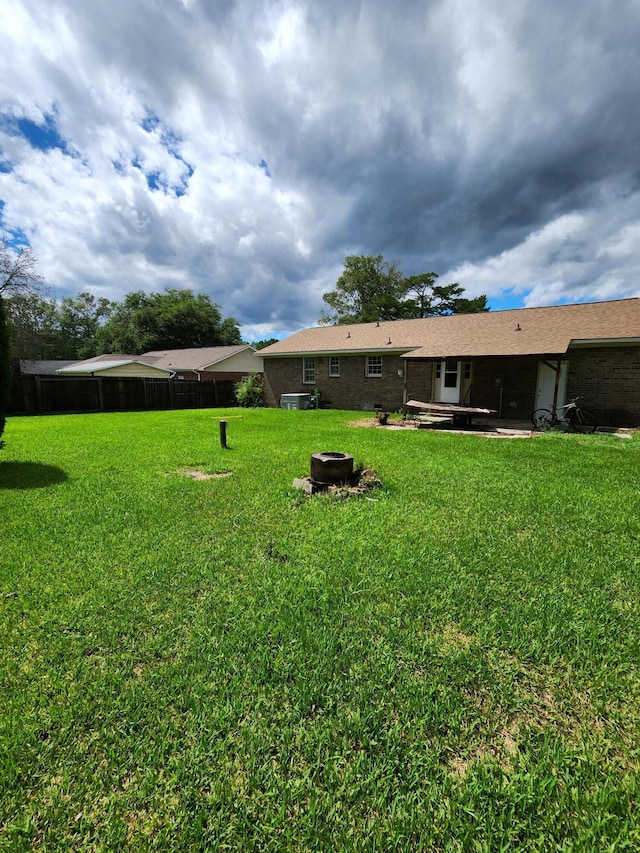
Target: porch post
405	370
555	391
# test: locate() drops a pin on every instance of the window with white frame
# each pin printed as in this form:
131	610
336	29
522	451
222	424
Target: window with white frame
309	370
334	365
374	365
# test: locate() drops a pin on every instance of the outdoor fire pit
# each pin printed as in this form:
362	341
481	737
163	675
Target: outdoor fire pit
329	468
332	473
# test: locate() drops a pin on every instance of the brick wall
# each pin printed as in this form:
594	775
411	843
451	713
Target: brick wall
351	390
608	379
420	380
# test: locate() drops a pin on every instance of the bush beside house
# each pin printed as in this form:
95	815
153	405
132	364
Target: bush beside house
249	391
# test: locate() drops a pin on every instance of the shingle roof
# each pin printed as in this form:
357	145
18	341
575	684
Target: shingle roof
521	331
108	357
35	367
196	358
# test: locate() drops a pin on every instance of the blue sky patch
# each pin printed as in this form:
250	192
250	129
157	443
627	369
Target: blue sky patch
155	181
170	141
15	238
42	137
184	183
150	122
265	167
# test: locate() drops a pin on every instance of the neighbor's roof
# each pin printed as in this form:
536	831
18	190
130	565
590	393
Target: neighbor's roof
522	331
197	358
34	367
108	362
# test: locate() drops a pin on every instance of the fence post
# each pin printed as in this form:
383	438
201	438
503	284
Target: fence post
223	434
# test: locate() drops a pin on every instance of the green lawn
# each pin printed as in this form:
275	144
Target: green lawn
449	663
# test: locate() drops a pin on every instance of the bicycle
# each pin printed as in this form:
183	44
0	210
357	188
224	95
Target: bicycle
573	418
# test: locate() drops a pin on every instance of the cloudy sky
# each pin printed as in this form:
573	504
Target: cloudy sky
244	148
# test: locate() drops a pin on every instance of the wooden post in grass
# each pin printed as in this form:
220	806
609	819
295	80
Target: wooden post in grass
223	434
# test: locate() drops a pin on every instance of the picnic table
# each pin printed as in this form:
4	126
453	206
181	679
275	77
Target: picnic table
461	415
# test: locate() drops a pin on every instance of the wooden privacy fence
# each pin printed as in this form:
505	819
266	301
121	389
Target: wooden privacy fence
58	394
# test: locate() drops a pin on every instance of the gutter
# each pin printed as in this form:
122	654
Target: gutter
320	353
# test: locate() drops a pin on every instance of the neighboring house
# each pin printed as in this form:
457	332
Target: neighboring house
207	363
116	365
200	364
511	361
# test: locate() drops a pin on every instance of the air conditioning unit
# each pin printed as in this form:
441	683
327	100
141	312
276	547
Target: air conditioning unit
295	401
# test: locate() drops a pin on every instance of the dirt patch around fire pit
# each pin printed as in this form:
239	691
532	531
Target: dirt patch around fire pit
362	482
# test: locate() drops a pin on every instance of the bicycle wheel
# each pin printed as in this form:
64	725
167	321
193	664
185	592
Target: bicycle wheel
583	422
541	419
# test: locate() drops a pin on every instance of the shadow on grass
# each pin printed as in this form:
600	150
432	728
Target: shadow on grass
29	475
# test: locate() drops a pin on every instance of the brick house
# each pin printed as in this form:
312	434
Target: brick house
511	361
203	364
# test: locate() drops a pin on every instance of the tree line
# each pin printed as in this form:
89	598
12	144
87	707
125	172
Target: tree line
82	326
372	289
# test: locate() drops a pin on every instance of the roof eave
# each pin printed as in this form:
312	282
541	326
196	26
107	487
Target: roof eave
323	352
90	369
416	356
603	342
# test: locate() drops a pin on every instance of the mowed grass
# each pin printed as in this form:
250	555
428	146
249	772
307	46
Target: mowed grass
448	663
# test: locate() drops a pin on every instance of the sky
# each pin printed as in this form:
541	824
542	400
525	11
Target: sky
244	148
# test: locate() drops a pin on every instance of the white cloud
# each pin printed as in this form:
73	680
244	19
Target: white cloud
576	257
244	148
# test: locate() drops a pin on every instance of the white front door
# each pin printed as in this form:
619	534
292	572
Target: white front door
447	388
546	385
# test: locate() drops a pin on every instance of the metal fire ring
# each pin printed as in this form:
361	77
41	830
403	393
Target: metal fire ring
329	468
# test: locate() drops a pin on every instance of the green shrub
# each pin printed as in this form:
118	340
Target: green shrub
249	391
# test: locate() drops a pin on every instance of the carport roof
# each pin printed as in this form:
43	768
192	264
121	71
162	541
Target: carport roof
107	362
